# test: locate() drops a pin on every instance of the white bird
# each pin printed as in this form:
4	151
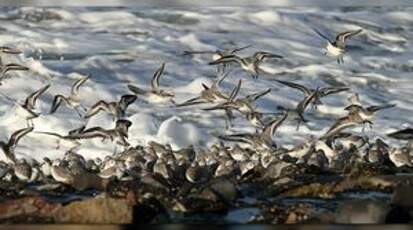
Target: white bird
337	48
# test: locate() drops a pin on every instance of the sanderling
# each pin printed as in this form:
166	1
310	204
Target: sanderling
162	168
400	157
61	173
117	135
225	168
210	94
115	171
73	100
238	154
342	123
337	48
154	94
159	149
260	140
46	167
229	116
116	109
328	152
186	154
199	172
303	151
244	105
24	171
357	114
322	92
347	141
249	64
9	147
217	54
377	152
26	110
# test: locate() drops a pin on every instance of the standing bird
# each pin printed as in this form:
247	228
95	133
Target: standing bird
337	48
116	109
249	64
259	140
154	94
9	147
73	100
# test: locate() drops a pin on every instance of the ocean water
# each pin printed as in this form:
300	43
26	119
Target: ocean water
121	45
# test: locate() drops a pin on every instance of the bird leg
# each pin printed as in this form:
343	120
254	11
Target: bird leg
83	107
78	112
298	125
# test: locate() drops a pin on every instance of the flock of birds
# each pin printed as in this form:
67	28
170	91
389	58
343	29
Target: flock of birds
334	148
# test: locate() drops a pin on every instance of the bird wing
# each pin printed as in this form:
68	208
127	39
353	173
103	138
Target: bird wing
240	48
32	98
192	101
235	91
57	101
302	88
256	96
322	35
136	90
261	55
49	133
93	133
340	124
11	67
304	103
404	134
226	59
342	37
240	137
269	129
376	108
126	100
218	82
331	90
96	108
78	83
156	77
77	130
16	136
190	52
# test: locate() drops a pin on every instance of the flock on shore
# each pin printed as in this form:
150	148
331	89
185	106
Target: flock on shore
330	151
